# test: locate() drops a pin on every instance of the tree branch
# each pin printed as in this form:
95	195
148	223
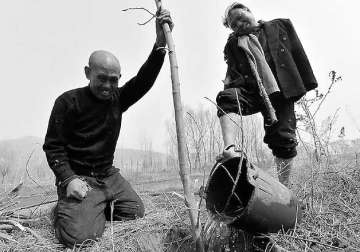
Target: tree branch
141	8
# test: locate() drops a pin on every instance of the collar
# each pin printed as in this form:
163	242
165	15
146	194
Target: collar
252	30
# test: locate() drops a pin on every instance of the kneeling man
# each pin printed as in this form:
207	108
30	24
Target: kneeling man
80	142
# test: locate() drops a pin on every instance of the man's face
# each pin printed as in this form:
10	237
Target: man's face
103	81
241	19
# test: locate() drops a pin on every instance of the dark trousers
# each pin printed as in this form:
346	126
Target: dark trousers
78	221
280	137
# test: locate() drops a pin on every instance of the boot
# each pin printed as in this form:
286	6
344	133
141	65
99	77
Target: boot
284	166
228	152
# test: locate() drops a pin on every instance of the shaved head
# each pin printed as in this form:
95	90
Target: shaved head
103	72
104	60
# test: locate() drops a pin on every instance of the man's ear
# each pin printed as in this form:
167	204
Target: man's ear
87	71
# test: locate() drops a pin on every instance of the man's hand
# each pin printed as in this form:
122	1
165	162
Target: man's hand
162	16
77	189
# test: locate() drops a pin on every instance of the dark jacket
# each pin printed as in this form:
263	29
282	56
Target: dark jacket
83	130
284	54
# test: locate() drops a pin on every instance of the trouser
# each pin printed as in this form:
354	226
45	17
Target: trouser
78	221
280	137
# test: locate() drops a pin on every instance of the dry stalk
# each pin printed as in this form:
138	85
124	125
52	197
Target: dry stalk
180	130
30	206
141	8
6	237
334	78
204	171
309	240
22	228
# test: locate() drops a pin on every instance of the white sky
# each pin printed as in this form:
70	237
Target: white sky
46	43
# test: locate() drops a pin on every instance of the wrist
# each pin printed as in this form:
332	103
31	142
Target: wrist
67	181
160	48
160	43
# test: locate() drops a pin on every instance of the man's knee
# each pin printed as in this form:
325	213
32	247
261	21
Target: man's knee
68	237
140	212
77	222
72	234
128	210
127	203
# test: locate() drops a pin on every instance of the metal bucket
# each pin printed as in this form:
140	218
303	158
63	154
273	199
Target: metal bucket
246	197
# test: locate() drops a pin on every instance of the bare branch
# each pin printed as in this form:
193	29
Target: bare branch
141	8
334	78
223	111
7	237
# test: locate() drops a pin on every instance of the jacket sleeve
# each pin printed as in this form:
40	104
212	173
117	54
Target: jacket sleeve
56	141
300	58
139	85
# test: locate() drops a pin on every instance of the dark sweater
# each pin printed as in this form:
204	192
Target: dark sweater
83	130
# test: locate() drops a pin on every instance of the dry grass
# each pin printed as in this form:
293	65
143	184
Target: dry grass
330	194
328	189
165	227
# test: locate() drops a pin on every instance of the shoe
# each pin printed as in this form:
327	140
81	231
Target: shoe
228	152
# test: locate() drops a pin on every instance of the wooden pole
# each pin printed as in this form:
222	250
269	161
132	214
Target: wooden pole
180	132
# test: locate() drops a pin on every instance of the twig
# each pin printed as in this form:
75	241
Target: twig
141	8
24	221
241	158
178	195
7	237
223	111
203	180
31	206
14	223
309	240
22	228
6	227
172	206
112	204
334	79
40	204
33	233
8	206
11	195
27	170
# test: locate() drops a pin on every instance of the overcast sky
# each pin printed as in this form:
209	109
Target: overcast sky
46	43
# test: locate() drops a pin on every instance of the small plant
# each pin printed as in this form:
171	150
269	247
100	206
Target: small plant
306	117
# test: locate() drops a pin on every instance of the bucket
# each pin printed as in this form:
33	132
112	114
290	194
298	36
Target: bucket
246	197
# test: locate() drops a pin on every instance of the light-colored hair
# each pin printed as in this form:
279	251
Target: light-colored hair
234	5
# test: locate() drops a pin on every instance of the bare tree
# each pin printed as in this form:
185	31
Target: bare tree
6	161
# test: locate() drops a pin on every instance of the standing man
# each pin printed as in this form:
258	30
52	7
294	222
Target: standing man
274	51
80	142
